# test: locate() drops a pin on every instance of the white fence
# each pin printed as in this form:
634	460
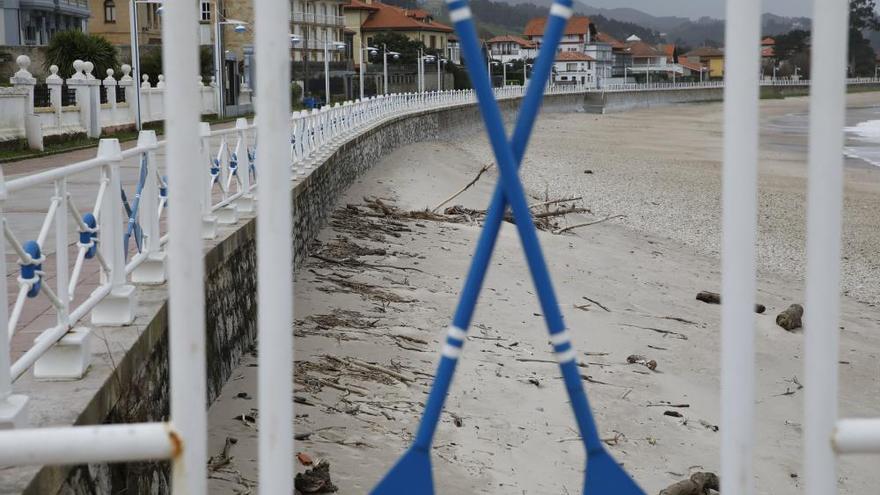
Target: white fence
309	137
20	118
119	227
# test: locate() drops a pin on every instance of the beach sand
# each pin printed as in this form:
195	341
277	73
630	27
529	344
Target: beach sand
626	287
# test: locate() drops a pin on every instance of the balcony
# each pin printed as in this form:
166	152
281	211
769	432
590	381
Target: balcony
311	18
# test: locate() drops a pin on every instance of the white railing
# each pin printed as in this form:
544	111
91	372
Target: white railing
119	230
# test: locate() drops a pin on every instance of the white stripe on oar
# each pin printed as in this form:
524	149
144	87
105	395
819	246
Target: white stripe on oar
562	337
460	14
456	333
566	356
560	11
451	351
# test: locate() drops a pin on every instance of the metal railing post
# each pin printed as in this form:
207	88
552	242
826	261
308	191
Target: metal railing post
13	408
186	268
824	214
245	202
204	164
152	269
117	307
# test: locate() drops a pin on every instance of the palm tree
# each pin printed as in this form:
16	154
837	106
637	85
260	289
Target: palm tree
67	46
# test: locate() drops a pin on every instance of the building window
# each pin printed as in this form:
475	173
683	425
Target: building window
433	41
109	11
205	11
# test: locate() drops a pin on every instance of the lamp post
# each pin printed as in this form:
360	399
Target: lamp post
774	71
136	56
440	62
504	77
385	54
337	45
239	27
295	40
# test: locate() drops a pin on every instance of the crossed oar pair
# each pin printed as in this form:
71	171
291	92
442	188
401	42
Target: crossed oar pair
412	473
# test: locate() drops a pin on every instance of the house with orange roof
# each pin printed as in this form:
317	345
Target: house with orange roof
620	55
574	68
508	47
367	18
712	58
579	31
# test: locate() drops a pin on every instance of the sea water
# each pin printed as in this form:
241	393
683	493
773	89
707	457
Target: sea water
863	135
862	145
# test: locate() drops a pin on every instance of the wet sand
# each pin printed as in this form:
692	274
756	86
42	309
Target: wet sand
507	426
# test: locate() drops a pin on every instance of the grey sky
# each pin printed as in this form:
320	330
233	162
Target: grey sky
698	8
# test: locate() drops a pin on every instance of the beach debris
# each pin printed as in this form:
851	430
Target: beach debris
586	224
709	297
637	359
791	318
666	403
243	395
709	426
467	186
304	459
249	419
220	460
789	390
597	303
315	480
674	414
665	333
698	484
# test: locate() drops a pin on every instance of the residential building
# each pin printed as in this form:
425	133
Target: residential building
711	58
574	68
603	54
579	31
368	18
768	49
112	20
318	23
453	49
621	56
34	22
506	48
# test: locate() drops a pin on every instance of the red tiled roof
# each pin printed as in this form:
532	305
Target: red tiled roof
640	49
576	25
507	38
768	41
359	5
768	52
705	51
573	57
687	64
614	42
668	50
390	18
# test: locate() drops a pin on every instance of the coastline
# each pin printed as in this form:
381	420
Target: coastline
507	427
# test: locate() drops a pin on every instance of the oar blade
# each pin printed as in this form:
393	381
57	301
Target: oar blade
411	475
606	477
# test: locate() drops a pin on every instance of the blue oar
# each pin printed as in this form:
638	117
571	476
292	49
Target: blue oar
412	474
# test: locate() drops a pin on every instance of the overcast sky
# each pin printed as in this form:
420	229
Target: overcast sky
699	8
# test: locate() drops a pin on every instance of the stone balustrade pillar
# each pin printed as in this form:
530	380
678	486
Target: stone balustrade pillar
54	82
25	80
110	83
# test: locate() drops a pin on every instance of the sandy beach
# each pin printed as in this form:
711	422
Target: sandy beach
369	328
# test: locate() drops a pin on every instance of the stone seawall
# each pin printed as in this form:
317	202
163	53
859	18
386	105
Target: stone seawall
128	380
622	101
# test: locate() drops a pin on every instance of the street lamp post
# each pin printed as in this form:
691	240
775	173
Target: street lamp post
385	54
239	27
440	62
136	56
336	46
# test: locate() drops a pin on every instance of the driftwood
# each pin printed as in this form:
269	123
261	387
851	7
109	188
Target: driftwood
715	298
698	484
556	202
790	319
586	224
465	188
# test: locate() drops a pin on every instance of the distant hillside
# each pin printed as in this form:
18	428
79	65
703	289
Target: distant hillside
500	17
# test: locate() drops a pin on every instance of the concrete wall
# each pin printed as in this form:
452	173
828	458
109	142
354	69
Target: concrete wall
627	100
135	388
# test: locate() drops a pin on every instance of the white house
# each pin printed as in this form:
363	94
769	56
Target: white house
506	48
574	68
